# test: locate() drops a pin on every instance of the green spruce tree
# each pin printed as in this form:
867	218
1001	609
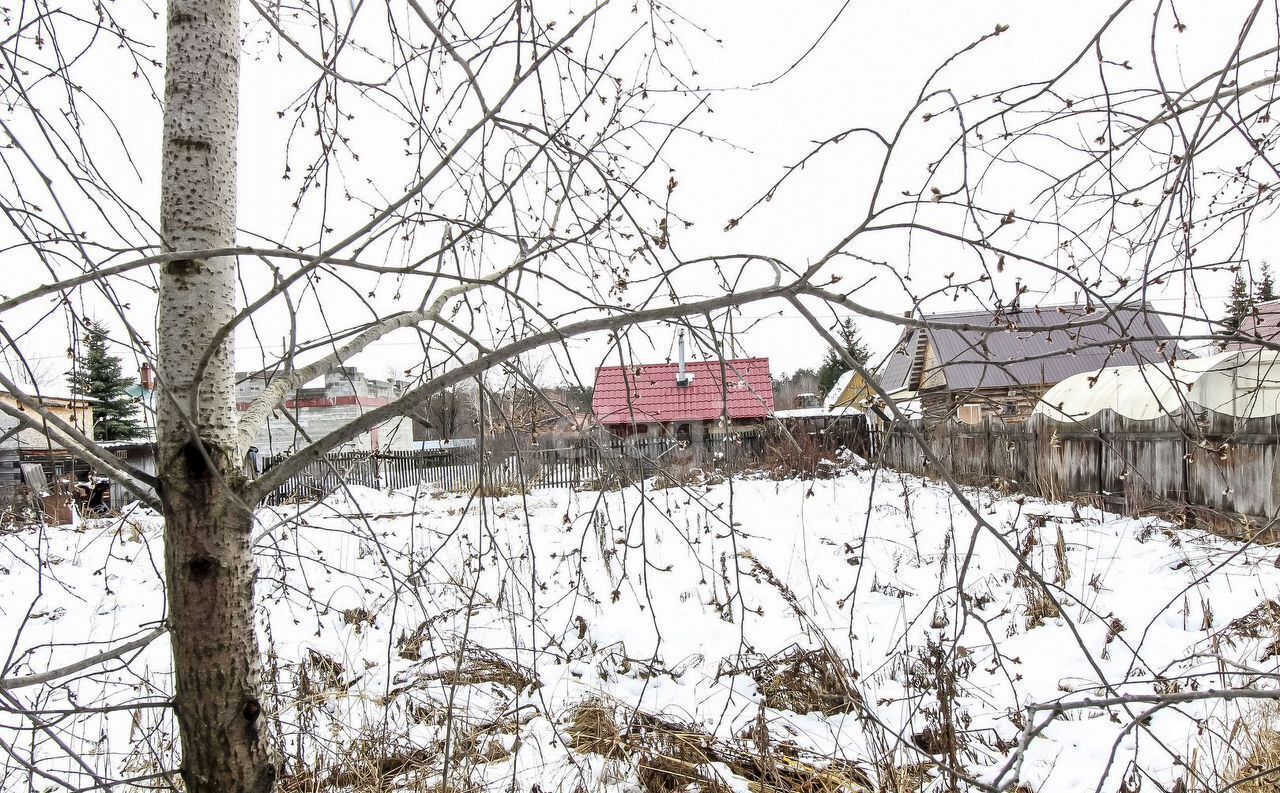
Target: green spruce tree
833	365
1238	306
97	376
1266	289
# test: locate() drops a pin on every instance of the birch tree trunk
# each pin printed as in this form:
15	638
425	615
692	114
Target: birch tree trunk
209	565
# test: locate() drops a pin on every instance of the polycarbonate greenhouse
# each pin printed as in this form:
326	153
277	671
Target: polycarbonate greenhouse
1242	383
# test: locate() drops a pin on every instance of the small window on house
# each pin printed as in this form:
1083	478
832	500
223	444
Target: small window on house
969	414
682	433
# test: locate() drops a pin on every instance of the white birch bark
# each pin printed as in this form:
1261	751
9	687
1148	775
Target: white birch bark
209	564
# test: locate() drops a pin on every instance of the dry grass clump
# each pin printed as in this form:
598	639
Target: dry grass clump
674	757
1039	607
410	644
593	729
909	778
492	489
665	755
478	666
318	676
669	756
1262	622
801	681
375	763
612	476
365	772
801	455
370	763
1258	767
780	768
358	618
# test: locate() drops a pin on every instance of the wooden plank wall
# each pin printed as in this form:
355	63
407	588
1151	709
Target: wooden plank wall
1211	462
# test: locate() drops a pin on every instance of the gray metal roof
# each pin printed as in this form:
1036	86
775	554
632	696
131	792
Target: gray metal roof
1020	351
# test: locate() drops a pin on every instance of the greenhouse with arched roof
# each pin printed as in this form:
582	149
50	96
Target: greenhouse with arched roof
1242	383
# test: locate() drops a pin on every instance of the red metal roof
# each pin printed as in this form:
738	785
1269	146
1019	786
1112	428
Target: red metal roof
648	393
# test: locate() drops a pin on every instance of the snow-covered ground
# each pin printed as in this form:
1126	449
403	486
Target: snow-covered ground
396	623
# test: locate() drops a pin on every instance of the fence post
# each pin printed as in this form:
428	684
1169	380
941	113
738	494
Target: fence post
1100	438
1033	454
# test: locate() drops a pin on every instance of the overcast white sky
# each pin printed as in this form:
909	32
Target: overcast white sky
865	71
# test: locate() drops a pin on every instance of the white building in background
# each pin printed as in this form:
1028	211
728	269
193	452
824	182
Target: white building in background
314	412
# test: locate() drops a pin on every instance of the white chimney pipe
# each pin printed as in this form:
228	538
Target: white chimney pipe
683	378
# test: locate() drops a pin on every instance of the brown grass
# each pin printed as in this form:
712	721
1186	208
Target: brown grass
1258	770
479	666
674	757
1039	607
368	764
497	490
358	618
910	778
799	456
1262	622
380	762
410	644
801	681
1060	559
667	755
594	730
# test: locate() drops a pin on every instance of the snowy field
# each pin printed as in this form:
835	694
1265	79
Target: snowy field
856	633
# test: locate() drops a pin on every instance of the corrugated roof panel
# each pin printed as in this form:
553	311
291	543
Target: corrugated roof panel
896	369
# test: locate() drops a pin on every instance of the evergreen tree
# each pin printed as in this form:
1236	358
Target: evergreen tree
833	365
1238	306
97	376
578	397
1266	290
787	389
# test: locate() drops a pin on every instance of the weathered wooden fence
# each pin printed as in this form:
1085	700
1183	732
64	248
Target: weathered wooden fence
581	464
1211	462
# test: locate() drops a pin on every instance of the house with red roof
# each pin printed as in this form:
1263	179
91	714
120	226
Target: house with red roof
683	400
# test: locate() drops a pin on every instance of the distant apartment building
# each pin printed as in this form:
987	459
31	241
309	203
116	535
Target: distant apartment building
314	412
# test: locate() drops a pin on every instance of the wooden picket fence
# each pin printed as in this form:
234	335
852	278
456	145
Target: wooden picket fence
1220	470
584	464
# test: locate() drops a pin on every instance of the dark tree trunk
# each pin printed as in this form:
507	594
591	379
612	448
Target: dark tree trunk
210	577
